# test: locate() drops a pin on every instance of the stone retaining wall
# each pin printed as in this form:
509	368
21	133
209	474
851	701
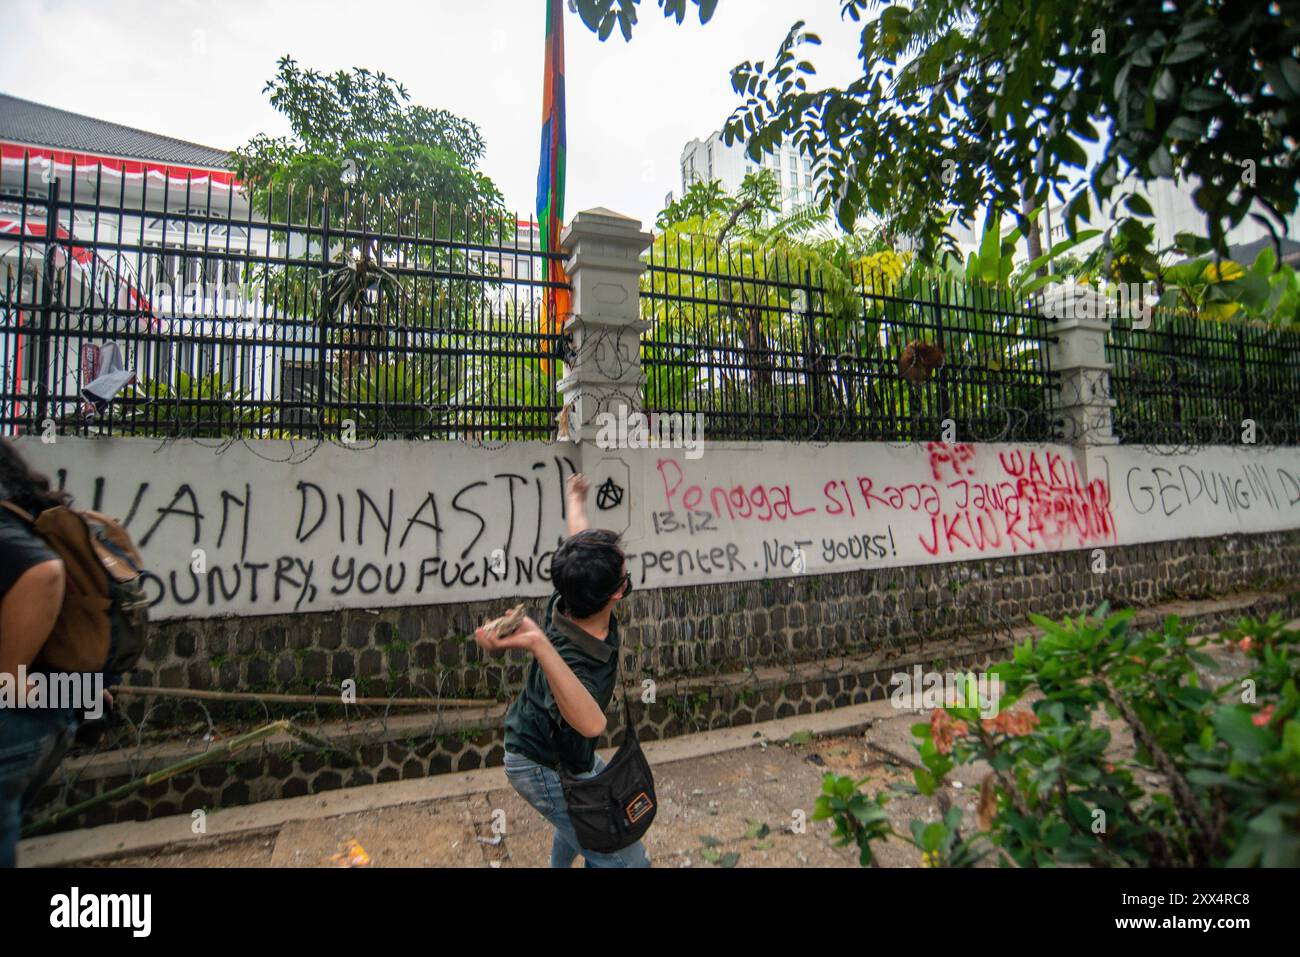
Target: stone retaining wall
725	654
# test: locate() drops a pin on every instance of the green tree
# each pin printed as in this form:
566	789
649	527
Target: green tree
357	133
738	278
601	16
1187	277
962	105
400	312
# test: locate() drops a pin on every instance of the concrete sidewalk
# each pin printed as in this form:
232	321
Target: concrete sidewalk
737	791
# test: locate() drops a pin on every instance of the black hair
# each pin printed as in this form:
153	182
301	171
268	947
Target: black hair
586	570
24	487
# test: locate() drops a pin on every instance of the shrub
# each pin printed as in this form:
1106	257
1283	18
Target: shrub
1226	759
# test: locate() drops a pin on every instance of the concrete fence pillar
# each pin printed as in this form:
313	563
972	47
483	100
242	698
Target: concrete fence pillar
604	375
1081	317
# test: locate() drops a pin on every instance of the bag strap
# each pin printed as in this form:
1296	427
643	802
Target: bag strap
629	722
22	513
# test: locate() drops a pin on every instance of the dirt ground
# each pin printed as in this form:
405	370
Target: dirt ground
744	808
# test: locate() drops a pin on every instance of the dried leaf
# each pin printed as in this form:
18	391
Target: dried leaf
988	804
918	360
352	855
565	431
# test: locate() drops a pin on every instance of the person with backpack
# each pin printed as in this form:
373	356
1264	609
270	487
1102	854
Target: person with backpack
552	726
32	583
73	617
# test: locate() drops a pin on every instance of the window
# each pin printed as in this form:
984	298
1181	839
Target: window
297	385
185	357
794	180
232	275
246	368
794	162
158	361
226	365
207	360
807	180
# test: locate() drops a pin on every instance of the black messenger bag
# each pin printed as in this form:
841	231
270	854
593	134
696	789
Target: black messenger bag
614	808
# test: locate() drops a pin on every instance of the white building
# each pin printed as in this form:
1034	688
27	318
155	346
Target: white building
128	263
153	236
708	159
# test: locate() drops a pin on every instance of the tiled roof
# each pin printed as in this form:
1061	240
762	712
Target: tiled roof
23	121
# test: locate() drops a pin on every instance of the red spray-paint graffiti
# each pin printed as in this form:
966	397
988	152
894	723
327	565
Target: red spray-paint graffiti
1037	502
1029	500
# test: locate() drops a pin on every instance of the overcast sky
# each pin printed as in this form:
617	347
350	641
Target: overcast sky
195	69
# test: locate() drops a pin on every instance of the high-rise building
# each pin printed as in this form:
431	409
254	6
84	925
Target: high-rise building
709	159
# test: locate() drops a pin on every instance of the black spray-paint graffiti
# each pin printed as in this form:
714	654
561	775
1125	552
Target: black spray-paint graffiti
491	530
1168	490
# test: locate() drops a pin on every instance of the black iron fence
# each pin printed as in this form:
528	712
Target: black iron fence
340	316
1178	380
353	317
764	343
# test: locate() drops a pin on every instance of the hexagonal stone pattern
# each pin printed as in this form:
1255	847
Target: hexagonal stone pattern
722	654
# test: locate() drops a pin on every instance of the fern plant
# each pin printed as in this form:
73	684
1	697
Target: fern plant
195	406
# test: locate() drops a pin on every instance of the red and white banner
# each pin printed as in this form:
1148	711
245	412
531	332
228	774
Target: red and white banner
62	162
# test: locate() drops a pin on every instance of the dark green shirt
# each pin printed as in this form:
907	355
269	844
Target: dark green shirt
534	726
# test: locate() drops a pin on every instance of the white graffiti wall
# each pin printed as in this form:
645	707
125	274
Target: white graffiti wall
272	527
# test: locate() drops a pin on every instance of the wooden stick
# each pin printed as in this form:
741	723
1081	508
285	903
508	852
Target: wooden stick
223	749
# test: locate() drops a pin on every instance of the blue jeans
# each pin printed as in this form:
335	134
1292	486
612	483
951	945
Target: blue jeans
32	742
540	786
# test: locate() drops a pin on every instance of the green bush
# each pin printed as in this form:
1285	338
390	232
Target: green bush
1226	759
